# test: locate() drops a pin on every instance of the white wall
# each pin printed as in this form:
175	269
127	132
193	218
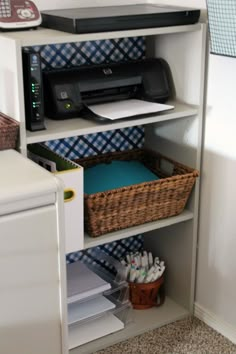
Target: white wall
216	285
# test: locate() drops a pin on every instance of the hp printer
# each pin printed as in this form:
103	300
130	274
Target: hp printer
67	92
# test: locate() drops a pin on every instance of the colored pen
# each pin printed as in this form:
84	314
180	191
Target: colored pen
150	259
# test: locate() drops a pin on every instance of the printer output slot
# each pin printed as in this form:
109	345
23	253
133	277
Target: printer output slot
109	95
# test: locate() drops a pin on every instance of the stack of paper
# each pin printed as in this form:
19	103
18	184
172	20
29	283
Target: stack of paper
78	311
83	283
89	312
83	333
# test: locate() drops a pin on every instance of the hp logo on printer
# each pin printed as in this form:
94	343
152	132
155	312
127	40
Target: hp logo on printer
107	71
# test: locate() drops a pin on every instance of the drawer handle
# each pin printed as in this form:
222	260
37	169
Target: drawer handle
69	195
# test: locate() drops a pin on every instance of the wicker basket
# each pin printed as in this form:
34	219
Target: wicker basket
143	296
140	203
9	130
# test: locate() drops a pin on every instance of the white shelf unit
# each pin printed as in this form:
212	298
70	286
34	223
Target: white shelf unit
177	134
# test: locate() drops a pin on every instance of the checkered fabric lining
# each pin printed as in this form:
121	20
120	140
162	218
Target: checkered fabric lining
100	143
117	249
91	52
87	53
222	26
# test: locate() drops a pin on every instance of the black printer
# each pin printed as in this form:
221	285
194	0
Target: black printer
67	92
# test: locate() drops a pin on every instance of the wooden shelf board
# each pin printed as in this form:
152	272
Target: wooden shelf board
136	230
43	36
144	320
78	126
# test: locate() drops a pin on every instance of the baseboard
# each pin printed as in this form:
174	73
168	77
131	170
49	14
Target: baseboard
215	322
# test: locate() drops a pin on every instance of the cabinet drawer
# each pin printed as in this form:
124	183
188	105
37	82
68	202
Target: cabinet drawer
29	288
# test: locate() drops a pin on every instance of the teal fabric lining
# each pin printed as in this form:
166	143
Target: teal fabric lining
117	174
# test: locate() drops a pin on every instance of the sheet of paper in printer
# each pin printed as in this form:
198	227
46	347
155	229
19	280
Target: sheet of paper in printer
127	108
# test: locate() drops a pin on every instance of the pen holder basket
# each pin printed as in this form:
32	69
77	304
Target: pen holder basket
146	295
9	130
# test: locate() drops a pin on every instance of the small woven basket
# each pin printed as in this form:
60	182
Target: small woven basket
139	203
9	130
146	295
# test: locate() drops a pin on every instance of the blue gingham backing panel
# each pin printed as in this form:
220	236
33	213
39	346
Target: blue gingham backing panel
99	143
91	52
222	26
117	250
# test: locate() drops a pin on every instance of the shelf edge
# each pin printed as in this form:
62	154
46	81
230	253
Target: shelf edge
44	36
32	138
136	230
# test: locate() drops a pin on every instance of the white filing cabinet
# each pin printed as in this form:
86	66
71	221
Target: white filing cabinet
31	238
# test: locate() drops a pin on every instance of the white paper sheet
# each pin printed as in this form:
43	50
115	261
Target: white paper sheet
82	282
78	311
127	108
80	334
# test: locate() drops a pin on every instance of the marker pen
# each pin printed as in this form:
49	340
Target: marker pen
133	265
132	275
155	276
126	272
151	270
123	262
137	260
137	273
128	258
150	259
142	275
148	278
131	257
159	273
145	259
145	255
162	271
143	262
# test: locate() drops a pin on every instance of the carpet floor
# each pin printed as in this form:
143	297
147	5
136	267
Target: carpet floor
189	336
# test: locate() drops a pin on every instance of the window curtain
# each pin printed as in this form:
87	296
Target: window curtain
222	26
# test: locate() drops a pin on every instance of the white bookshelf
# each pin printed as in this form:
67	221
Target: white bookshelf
176	133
